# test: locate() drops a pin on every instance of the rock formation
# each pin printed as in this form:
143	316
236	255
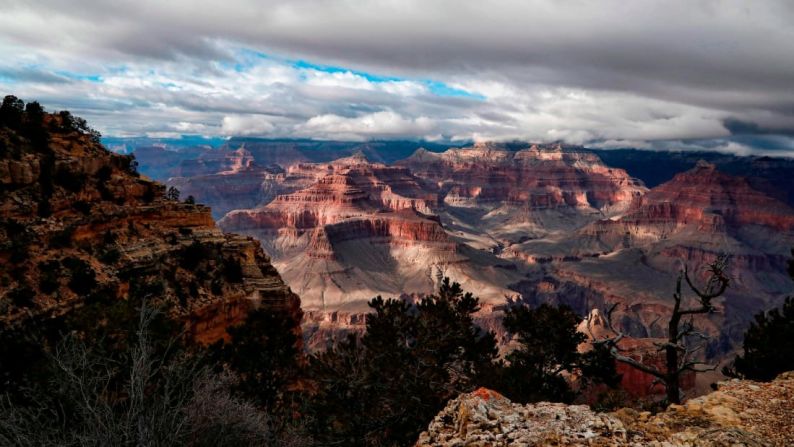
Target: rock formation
78	224
535	177
228	180
633	258
361	229
740	413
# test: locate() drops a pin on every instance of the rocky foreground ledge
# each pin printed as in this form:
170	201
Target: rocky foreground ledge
740	413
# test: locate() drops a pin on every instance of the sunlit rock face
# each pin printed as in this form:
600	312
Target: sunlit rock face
361	229
535	177
108	223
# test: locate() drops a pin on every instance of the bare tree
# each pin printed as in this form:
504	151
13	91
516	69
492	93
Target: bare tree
680	354
159	402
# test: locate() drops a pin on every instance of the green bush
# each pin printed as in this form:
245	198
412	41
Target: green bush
63	238
66	178
232	270
767	346
410	361
194	254
49	276
110	256
547	347
82	206
82	278
21	296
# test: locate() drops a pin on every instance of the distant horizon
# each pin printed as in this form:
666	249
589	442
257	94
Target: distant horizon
217	142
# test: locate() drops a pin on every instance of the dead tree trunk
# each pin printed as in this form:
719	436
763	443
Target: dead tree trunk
678	356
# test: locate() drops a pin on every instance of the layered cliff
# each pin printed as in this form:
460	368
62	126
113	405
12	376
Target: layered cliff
78	225
535	177
707	201
739	413
361	229
699	215
228	180
633	258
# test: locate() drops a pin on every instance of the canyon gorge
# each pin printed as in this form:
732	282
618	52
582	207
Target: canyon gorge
537	223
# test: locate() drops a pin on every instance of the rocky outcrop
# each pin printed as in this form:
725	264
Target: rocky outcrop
739	413
78	225
535	177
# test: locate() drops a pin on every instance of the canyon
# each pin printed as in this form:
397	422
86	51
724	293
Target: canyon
538	223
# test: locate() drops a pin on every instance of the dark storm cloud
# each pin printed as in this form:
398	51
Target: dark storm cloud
611	72
739	127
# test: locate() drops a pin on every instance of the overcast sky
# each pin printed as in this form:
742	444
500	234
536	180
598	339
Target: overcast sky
649	74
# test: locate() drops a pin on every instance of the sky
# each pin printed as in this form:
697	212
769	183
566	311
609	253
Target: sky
662	75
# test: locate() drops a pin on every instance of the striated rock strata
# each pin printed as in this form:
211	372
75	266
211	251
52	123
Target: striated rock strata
78	224
359	230
534	177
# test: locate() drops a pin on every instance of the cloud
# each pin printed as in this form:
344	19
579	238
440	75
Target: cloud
644	72
245	125
374	125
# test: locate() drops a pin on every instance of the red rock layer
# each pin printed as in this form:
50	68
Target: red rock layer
121	229
351	199
712	201
700	213
536	177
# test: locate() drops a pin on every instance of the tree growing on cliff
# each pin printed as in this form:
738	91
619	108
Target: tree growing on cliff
679	352
548	341
264	354
413	358
768	350
11	111
172	194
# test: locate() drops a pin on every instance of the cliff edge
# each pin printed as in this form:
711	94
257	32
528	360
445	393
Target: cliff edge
739	413
79	225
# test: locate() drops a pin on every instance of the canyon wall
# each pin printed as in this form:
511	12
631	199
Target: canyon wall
79	226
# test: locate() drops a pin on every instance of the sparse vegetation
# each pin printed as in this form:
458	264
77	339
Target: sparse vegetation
110	256
408	363
172	194
141	396
680	354
548	348
68	179
49	276
63	238
21	296
764	356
